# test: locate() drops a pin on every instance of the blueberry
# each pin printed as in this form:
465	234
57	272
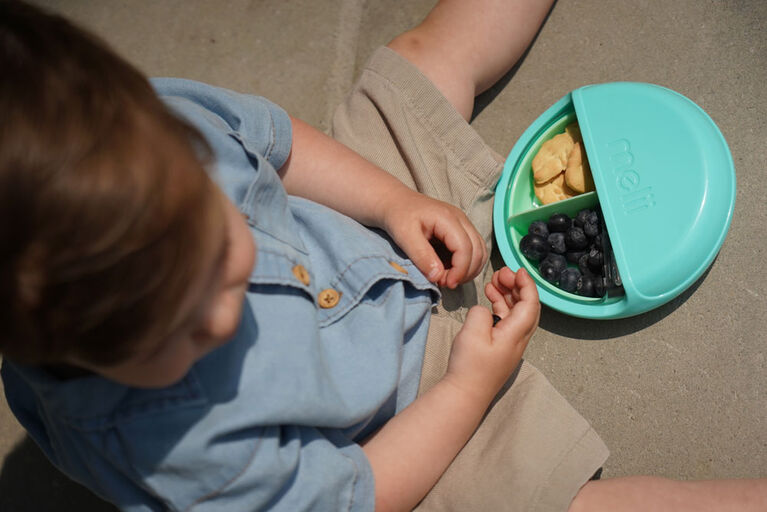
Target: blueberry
599	286
534	247
559	222
538	228
557	243
568	279
548	272
598	241
558	260
552	266
574	256
586	216
583	264
595	260
591	286
585	286
591	229
582	217
575	239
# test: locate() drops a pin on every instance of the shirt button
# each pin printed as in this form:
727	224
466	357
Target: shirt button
301	274
397	267
328	298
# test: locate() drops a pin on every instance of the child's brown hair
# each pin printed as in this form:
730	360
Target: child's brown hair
104	201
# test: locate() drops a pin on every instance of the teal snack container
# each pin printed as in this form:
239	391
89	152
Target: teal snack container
665	183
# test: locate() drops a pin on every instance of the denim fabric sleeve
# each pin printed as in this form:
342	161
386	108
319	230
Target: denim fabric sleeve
261	127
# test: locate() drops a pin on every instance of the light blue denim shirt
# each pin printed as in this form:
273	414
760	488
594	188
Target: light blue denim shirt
271	420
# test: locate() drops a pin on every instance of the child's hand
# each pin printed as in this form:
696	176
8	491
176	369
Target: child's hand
413	220
483	357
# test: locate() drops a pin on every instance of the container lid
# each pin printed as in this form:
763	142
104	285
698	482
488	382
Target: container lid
665	181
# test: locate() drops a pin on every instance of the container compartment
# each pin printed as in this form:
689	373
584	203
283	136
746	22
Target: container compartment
522	194
518	225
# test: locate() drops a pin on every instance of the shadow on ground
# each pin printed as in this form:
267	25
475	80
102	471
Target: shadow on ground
30	483
586	329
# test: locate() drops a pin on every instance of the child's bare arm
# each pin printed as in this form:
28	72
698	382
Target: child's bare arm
326	171
410	453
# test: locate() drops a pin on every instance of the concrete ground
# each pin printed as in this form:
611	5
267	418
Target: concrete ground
680	391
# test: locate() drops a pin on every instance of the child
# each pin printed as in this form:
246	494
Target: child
182	334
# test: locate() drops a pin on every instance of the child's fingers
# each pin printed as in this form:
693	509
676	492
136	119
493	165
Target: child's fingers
504	279
460	245
494	295
423	255
510	284
526	286
521	322
519	317
466	255
479	249
503	291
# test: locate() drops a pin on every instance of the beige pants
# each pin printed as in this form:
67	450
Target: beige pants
532	451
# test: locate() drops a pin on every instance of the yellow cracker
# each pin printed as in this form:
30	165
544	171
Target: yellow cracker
551	159
553	190
578	173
